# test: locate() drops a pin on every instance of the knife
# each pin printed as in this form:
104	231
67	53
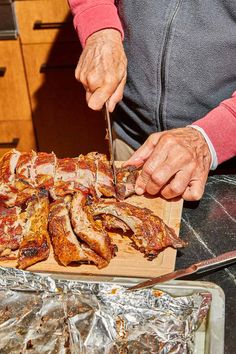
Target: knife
200	267
110	141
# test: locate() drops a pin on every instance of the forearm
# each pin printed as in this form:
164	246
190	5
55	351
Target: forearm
93	15
220	126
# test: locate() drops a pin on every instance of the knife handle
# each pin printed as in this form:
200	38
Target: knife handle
216	262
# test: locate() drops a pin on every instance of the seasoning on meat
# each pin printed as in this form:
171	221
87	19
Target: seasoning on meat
11	228
35	244
66	246
150	233
86	228
125	181
80	187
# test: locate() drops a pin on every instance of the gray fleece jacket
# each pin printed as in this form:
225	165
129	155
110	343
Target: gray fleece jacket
182	63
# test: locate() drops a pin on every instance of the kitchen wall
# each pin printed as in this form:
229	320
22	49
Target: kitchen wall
49	100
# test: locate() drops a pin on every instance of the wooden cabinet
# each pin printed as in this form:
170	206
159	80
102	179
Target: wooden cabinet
44	21
63	123
14	101
16	130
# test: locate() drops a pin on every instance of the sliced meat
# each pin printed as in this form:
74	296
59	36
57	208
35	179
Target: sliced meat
8	191
104	181
35	244
150	233
11	230
86	171
66	246
125	181
110	222
21	183
86	228
65	178
25	170
45	165
8	164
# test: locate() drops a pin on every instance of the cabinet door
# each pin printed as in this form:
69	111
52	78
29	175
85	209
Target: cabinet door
16	134
44	21
63	122
14	100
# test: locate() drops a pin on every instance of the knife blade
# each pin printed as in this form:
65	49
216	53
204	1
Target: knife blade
200	267
110	141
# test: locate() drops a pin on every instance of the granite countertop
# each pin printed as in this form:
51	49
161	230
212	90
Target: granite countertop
209	226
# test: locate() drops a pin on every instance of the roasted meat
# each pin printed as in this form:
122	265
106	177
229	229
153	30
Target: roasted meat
87	230
79	186
25	170
35	244
8	164
67	247
65	178
125	181
8	191
45	165
150	233
11	229
104	182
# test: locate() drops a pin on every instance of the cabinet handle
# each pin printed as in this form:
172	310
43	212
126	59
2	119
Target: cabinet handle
39	25
47	67
11	144
2	71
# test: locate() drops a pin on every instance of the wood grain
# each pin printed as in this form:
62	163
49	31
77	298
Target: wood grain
14	99
23	130
47	12
128	262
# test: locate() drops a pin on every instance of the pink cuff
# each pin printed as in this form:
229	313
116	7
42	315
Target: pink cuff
220	126
97	18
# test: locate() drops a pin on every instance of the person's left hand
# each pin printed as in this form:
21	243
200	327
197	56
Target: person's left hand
174	163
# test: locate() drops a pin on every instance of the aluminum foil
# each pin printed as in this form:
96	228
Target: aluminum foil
39	314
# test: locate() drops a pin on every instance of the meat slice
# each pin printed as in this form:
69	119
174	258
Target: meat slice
150	233
35	244
104	181
86	228
11	230
8	164
45	165
20	185
8	191
86	171
25	167
67	247
125	181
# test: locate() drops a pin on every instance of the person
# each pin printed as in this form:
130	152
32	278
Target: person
176	103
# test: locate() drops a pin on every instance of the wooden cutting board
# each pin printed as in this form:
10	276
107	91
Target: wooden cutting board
128	261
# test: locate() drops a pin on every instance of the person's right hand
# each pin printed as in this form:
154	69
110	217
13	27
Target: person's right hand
102	69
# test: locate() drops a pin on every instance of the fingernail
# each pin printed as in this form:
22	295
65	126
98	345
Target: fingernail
139	190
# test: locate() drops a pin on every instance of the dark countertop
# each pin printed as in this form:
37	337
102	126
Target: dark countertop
209	226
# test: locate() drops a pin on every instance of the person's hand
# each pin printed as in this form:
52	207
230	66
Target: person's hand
174	163
102	69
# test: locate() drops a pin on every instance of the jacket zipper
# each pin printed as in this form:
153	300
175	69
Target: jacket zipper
163	64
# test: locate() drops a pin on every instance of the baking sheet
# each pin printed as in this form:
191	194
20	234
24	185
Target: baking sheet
61	305
128	262
210	336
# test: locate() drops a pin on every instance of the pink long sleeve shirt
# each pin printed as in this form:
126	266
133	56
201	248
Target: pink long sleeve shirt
219	124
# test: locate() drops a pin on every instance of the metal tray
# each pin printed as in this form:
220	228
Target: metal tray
210	336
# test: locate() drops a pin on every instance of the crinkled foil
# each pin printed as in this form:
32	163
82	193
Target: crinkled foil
39	314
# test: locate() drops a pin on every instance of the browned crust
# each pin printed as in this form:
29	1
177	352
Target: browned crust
125	181
87	230
35	245
65	244
150	233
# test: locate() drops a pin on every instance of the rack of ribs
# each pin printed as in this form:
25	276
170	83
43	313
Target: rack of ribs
44	198
150	234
